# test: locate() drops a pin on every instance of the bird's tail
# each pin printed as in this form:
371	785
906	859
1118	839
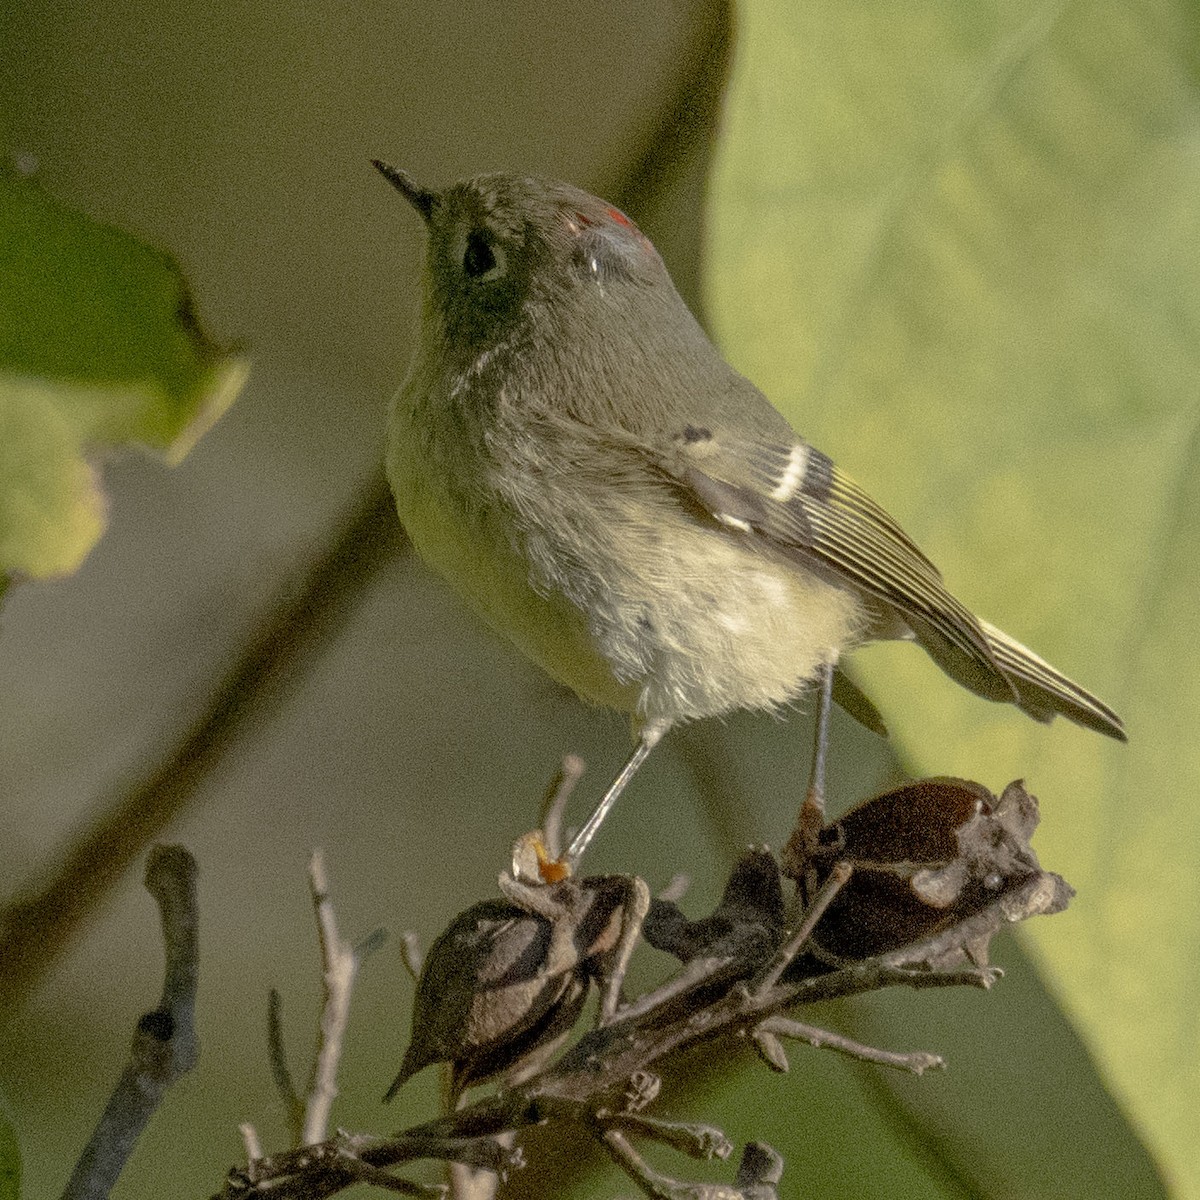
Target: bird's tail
1042	691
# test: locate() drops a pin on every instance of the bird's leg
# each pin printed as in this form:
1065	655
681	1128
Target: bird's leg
647	740
816	784
812	811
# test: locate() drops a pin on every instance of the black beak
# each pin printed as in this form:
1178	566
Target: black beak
422	200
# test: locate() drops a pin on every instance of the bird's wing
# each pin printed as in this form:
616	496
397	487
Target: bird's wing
1044	690
791	497
778	492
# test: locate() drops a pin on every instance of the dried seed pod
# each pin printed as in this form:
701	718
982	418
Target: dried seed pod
925	856
506	981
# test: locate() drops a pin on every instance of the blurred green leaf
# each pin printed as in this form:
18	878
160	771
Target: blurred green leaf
960	246
10	1156
99	347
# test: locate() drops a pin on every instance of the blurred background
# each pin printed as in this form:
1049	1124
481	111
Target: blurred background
958	246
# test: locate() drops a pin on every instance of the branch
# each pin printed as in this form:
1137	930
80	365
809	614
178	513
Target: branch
308	1120
313	1172
768	1031
164	1043
654	1184
340	965
588	1087
570	772
895	902
770	975
759	1171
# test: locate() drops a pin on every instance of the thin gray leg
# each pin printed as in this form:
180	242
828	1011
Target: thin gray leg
816	782
646	742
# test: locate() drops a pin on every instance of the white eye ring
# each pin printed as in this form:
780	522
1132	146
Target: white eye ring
501	266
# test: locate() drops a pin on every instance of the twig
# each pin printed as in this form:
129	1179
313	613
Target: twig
918	1062
340	965
607	1058
581	1086
654	1183
467	1181
250	1140
633	913
690	976
570	772
838	878
694	1140
365	1173
293	1106
164	1043
314	1172
750	975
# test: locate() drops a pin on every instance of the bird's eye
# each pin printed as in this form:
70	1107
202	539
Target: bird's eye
480	256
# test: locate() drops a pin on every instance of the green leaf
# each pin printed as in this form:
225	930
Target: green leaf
10	1155
960	246
99	347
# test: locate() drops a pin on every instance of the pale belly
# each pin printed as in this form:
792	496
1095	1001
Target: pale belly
702	625
476	557
653	613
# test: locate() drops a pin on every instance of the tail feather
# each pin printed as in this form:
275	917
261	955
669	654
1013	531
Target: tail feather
1043	691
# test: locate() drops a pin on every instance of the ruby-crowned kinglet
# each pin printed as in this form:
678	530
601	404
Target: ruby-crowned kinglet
574	455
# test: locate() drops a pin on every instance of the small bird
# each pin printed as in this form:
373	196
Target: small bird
574	455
